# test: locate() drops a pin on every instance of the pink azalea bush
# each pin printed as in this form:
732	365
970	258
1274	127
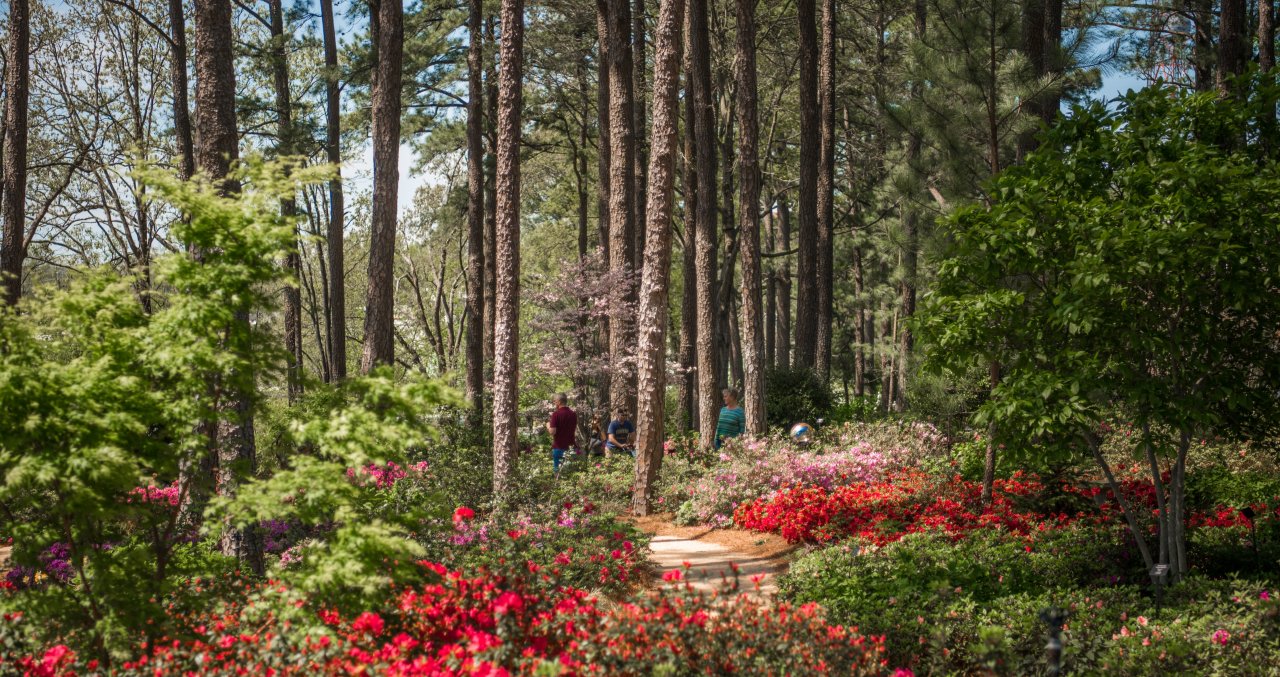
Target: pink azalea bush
747	469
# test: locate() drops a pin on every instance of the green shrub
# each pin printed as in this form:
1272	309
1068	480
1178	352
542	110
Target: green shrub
795	395
887	590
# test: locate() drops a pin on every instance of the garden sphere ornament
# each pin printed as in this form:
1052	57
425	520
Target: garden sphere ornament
801	433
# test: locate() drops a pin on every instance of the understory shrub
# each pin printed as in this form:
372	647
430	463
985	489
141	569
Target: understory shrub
974	606
794	395
492	625
748	469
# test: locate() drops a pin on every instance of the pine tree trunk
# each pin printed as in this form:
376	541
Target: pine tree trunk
1055	61
640	66
753	350
1231	43
728	369
580	169
1266	62
911	247
379	315
215	151
687	392
475	211
705	256
337	210
622	238
490	195
806	324
784	286
1266	35
506	371
286	146
654	290
826	190
771	298
603	163
603	144
1201	13
1033	47
178	78
13	202
989	464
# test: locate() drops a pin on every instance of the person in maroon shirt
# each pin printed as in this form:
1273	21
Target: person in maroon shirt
563	427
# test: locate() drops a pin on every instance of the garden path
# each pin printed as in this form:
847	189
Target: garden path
711	553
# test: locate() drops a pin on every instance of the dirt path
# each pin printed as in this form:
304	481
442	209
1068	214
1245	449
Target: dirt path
710	552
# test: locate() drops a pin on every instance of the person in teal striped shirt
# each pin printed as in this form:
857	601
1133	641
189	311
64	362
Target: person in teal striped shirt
733	422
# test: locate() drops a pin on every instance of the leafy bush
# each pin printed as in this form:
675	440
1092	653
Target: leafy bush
974	605
464	623
104	403
748	469
574	544
795	395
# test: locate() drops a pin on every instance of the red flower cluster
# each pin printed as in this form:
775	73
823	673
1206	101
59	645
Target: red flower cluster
911	501
489	625
883	512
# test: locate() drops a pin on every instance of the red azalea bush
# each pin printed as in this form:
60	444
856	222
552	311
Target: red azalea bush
912	501
490	625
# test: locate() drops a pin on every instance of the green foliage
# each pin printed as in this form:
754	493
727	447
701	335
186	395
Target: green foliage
376	421
795	395
461	459
103	400
1129	260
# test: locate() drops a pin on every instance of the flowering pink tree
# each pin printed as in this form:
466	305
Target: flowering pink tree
567	332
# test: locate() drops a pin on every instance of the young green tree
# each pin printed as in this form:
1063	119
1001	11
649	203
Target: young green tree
1128	267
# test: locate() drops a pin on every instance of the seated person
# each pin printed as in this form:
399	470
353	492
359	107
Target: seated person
596	442
621	432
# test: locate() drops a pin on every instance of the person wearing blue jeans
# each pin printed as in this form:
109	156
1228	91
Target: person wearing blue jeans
563	427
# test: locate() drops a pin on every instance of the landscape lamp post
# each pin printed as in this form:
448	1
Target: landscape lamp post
1054	617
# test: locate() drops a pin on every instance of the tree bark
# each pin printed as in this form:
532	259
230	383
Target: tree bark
1055	61
650	412
506	371
911	243
1033	47
806	325
286	145
771	298
640	65
13	203
475	212
826	190
622	226
333	151
603	144
705	256
687	392
1201	13
490	197
1231	44
1266	35
989	463
178	76
216	149
379	314
784	286
1266	62
753	350
728	366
